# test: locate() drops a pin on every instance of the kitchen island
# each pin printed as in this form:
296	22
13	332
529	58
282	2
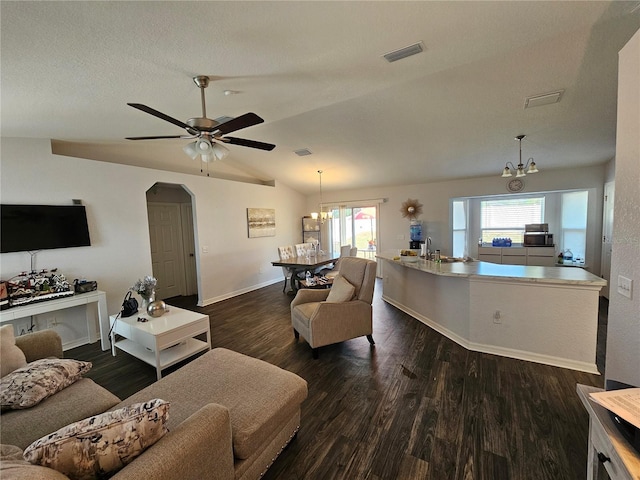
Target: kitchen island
541	314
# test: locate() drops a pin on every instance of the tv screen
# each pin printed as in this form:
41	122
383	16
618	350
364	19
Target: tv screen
39	227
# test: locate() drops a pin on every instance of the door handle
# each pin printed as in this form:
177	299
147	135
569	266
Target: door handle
191	254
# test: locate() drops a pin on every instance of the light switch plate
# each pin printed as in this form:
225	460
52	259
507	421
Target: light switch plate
625	286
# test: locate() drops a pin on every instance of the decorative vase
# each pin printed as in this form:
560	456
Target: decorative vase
147	298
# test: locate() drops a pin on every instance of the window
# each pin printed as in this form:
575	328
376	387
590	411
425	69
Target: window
506	218
574	222
459	227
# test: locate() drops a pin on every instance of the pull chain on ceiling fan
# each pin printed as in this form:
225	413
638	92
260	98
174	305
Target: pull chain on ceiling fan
209	134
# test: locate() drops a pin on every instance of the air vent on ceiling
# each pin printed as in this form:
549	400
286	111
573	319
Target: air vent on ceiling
543	99
404	52
303	152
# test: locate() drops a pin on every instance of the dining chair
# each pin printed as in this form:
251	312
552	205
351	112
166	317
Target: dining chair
285	253
302	249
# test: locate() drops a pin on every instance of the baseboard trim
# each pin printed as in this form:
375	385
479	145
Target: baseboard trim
210	301
495	350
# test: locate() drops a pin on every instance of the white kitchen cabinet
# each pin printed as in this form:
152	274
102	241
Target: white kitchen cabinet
542	256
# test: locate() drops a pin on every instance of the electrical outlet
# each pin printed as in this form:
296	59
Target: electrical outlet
625	286
205	249
497	317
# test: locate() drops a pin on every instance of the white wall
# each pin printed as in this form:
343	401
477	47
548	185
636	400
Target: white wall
116	208
623	334
435	199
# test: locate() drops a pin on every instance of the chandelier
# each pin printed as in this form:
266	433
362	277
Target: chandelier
323	215
519	171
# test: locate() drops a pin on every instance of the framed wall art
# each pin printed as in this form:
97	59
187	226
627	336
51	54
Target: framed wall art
261	222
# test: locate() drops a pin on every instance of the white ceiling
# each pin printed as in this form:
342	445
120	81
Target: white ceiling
314	71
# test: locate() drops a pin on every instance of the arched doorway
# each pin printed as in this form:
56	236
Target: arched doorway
172	237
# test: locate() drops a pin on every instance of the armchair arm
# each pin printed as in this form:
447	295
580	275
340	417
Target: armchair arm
41	344
308	295
335	322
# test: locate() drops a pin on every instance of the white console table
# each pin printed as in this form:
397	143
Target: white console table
606	443
98	297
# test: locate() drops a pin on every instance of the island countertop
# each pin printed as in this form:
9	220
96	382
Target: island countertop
479	270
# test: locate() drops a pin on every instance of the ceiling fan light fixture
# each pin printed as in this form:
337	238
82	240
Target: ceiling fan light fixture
220	151
204	146
191	150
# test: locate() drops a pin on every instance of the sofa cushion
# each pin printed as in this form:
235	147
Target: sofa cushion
14	467
260	397
80	400
11	357
341	290
102	444
29	385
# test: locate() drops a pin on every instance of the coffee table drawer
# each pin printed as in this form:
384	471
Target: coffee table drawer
173	337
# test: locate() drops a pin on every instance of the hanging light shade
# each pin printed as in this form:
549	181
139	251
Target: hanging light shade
191	150
530	166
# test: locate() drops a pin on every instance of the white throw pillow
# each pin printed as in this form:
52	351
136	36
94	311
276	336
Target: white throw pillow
11	357
103	444
341	290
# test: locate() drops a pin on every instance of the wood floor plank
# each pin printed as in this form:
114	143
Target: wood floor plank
416	406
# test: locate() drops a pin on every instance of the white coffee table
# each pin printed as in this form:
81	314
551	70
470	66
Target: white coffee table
162	341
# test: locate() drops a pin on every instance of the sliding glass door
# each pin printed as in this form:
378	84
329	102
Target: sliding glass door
355	226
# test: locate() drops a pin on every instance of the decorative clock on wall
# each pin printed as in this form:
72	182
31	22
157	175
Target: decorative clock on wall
515	185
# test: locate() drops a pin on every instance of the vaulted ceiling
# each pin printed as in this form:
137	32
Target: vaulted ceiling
314	72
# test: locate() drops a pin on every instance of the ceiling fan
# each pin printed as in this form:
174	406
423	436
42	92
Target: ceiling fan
209	134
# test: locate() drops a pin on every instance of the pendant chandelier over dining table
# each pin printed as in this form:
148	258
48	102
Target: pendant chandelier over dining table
322	215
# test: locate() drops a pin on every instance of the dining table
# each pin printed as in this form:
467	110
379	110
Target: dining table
303	264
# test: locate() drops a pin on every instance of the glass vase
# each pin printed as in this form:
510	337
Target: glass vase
147	298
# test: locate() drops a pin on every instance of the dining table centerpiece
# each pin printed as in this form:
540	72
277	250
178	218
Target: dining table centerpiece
146	288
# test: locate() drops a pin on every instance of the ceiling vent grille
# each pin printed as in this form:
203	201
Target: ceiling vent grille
543	99
303	152
404	52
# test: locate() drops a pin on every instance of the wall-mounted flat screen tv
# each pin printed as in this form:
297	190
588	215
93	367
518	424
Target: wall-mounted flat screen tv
27	228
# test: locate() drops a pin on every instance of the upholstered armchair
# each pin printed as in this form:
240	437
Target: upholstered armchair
324	317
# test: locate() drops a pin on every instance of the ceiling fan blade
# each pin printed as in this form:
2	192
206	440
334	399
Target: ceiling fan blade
238	123
154	138
249	143
164	117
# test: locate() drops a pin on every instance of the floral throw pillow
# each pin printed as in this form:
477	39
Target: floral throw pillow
28	386
100	445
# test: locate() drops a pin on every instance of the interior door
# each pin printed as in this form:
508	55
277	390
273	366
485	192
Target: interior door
607	235
166	248
188	240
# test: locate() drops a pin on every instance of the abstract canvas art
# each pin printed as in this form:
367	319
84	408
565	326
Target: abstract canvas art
261	222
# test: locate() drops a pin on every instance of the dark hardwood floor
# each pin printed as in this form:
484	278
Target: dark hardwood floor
416	406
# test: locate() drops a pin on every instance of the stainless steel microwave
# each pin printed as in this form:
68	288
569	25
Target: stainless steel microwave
538	239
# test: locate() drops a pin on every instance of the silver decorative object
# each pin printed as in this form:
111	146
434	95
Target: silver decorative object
157	308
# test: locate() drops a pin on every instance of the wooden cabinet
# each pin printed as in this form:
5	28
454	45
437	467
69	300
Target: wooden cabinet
310	229
542	256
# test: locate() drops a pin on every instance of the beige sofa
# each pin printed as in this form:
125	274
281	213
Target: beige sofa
230	416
